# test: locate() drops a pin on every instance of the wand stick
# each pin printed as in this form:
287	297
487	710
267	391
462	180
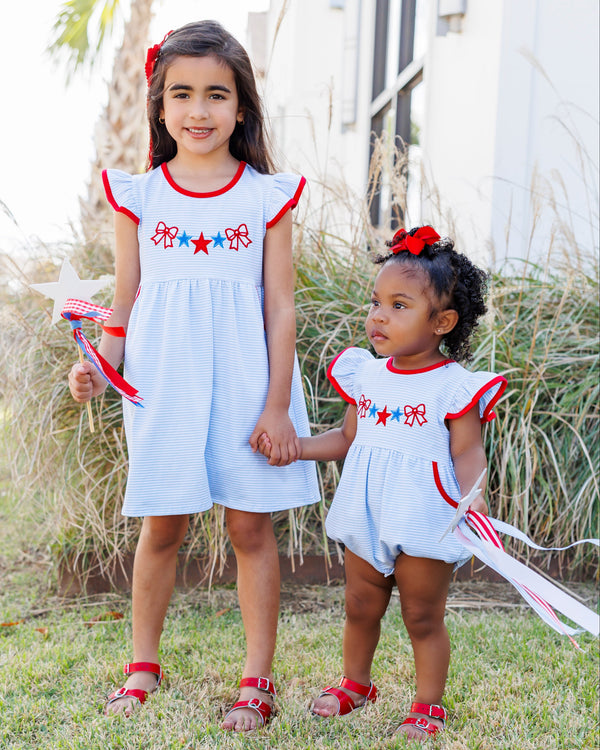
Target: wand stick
88	403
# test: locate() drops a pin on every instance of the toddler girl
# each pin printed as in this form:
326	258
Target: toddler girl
204	289
411	439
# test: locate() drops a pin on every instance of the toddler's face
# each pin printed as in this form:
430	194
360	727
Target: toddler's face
400	322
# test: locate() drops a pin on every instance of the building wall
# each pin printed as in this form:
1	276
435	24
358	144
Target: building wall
461	80
547	131
511	104
316	86
519	88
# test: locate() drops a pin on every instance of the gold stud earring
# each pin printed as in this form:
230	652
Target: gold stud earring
161	120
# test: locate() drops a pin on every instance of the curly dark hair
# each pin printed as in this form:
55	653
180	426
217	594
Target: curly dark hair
249	141
457	284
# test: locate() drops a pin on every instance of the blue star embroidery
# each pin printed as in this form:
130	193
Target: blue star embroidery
373	411
396	414
218	240
184	239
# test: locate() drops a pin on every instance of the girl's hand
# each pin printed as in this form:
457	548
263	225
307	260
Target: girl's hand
85	382
284	443
479	505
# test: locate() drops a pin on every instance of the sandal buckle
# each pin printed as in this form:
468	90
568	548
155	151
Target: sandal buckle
263	683
120	692
422	723
254	702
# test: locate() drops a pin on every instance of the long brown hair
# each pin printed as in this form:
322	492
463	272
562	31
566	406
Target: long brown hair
248	141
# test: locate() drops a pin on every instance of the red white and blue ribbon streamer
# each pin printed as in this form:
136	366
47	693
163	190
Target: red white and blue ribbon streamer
479	534
76	310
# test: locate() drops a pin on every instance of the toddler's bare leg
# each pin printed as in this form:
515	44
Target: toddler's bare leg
423	586
367	597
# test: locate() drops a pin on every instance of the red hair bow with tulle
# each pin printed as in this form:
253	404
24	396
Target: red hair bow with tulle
414	243
151	56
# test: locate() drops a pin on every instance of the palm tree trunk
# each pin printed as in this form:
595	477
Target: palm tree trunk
121	134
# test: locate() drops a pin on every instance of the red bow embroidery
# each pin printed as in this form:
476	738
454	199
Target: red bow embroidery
164	234
235	236
151	56
363	406
416	242
414	412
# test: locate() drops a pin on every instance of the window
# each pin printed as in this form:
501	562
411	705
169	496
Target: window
397	98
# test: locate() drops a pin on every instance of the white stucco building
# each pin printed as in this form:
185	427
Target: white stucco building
498	100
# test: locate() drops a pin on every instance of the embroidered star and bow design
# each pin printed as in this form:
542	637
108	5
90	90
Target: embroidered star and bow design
366	409
164	235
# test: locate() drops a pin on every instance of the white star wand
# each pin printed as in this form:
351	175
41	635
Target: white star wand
464	504
70	286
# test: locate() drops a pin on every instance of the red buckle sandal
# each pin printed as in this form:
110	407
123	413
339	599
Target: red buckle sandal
346	705
137	694
263	709
429	709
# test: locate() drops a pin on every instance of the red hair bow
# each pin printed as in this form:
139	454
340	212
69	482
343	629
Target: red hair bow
414	243
151	56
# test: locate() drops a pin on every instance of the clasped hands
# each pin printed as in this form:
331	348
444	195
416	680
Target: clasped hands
275	437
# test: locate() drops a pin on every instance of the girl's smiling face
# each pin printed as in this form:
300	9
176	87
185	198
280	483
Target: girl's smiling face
200	105
402	322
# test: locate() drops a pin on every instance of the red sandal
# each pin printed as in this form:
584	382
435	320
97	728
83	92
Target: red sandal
346	705
263	709
139	695
430	709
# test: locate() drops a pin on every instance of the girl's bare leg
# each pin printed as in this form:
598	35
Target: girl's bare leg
153	581
258	581
423	586
367	597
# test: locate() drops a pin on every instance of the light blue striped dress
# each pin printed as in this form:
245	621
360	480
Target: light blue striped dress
398	472
196	346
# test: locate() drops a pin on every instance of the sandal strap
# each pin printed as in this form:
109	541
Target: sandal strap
139	695
262	709
369	691
144	666
261	683
425	726
346	704
430	709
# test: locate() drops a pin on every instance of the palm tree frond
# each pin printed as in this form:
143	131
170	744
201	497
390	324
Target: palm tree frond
72	31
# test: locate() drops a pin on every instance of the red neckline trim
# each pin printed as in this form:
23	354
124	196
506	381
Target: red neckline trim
220	191
390	366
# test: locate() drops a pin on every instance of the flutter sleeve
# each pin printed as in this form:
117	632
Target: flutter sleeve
120	193
484	388
342	372
285	195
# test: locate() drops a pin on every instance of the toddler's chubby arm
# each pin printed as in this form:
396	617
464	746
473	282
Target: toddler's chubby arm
328	446
468	455
85	381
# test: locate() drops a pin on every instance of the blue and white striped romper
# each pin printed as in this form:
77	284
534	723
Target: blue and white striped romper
196	346
390	498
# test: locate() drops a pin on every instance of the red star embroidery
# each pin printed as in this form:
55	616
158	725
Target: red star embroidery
383	415
201	244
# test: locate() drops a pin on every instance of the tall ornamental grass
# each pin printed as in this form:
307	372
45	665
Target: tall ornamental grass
541	333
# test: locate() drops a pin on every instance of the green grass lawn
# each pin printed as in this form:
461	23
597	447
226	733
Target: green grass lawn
514	684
